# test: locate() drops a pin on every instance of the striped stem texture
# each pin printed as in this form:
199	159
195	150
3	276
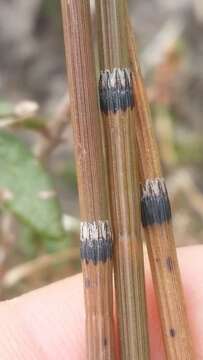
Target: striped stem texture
156	219
117	107
96	238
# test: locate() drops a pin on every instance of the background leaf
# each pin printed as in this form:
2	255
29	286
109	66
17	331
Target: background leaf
27	189
5	107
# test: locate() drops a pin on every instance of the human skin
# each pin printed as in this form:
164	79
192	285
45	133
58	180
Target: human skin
48	324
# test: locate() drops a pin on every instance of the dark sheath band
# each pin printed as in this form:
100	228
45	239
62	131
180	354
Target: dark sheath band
116	90
155	204
95	242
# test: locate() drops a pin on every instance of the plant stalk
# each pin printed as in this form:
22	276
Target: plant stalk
117	107
96	238
156	219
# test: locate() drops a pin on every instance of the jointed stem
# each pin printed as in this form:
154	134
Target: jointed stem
96	239
156	218
117	106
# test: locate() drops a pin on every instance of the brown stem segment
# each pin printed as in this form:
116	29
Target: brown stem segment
96	239
117	107
96	255
156	219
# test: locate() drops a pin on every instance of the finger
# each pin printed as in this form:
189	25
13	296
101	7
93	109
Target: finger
49	323
46	324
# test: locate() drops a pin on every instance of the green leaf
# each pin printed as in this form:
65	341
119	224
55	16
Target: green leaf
5	107
50	245
26	188
28	242
70	176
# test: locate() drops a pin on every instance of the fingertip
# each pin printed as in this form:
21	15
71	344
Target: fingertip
50	322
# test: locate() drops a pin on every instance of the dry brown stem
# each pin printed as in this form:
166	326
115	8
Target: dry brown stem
96	240
117	108
156	217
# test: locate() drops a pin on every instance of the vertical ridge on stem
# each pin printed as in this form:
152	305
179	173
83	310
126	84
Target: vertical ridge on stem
156	219
96	235
117	107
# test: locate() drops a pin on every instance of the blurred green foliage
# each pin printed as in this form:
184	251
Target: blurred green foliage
190	152
31	243
5	107
70	176
50	7
26	189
